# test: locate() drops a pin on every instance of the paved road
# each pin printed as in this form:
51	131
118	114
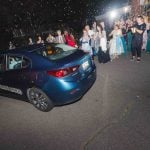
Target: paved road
113	115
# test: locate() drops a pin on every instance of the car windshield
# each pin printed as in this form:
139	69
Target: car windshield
57	51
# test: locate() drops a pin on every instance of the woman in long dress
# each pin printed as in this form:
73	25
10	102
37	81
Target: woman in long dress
116	45
147	21
101	45
123	27
85	43
145	34
100	39
129	34
148	42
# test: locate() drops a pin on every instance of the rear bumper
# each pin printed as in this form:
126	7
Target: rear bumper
72	91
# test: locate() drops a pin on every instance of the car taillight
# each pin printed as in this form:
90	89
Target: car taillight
62	72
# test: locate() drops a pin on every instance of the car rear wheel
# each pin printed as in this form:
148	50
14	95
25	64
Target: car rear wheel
39	99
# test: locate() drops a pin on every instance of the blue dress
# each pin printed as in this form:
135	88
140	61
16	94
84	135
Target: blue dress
124	44
119	45
148	42
116	44
129	41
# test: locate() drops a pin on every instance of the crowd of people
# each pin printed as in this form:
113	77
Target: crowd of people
134	35
65	38
127	35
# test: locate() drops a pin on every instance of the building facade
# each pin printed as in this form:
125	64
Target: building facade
147	7
135	7
140	7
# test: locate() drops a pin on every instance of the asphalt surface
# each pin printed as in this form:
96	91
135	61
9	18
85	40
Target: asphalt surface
113	115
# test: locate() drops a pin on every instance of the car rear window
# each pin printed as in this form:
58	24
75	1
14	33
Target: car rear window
57	51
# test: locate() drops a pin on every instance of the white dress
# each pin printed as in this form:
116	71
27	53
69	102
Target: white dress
145	37
103	41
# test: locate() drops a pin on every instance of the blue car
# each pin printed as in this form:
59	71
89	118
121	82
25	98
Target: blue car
47	75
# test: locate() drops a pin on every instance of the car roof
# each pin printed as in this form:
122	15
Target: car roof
29	48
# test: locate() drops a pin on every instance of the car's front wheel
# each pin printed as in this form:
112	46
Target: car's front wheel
39	99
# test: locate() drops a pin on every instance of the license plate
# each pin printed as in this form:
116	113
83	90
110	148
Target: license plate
85	65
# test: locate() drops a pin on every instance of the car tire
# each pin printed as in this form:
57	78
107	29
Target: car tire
39	99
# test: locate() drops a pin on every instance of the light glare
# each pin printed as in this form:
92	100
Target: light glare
113	14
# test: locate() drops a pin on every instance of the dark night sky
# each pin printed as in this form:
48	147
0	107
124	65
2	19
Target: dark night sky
19	12
41	15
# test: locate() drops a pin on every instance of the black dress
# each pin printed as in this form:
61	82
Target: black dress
103	57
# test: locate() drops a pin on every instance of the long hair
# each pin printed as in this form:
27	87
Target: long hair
100	26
